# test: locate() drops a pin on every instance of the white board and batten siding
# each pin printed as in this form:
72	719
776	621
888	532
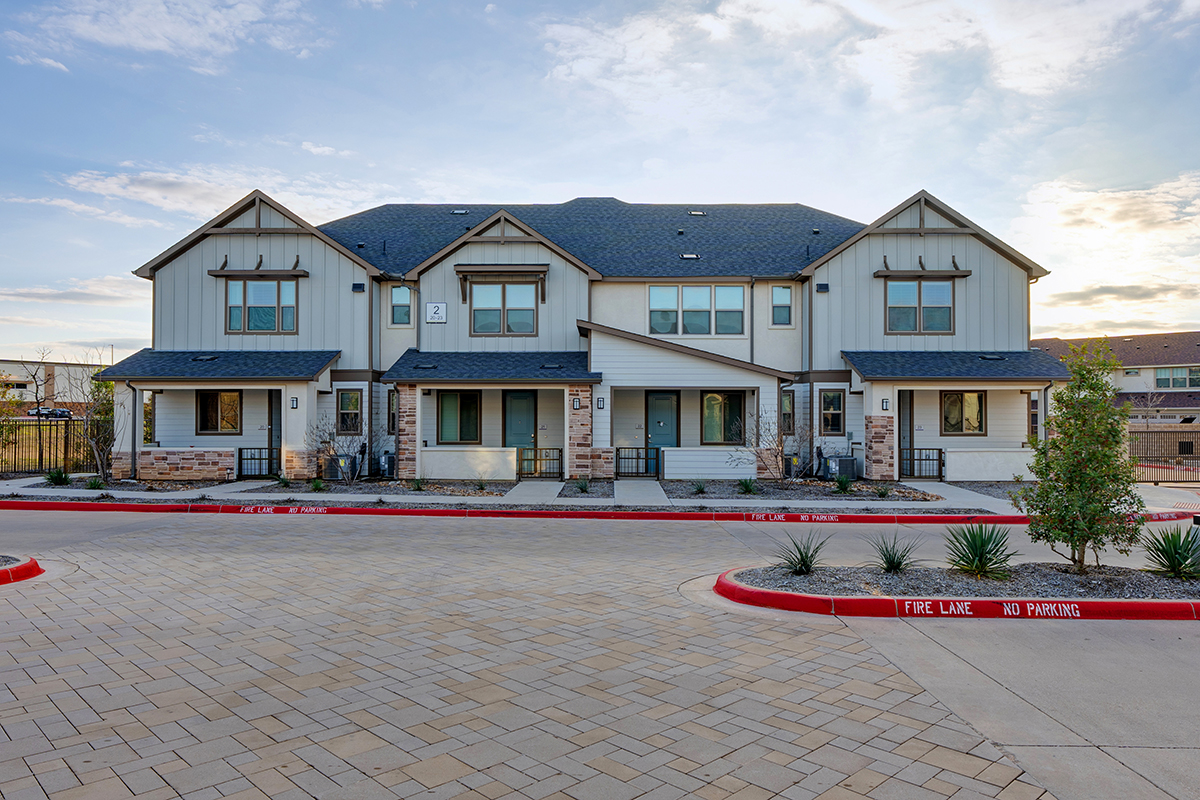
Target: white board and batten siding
566	302
190	303
708	463
991	310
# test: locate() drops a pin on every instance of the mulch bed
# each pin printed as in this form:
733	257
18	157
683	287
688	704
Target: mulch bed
596	489
390	488
9	560
997	489
808	489
1027	580
138	486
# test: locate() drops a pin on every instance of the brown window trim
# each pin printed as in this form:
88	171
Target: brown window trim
942	413
391	307
791	306
738	443
821	411
245	311
503	308
787	430
391	409
712	310
920	306
218	392
438	421
337	399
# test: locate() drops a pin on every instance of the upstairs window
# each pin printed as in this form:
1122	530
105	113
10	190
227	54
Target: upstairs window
920	307
702	310
504	309
1176	377
781	305
260	306
401	305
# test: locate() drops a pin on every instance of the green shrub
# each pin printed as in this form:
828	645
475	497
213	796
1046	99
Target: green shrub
317	485
583	485
59	477
417	484
747	486
843	484
1174	552
481	483
699	487
801	558
95	483
979	550
883	491
894	554
283	481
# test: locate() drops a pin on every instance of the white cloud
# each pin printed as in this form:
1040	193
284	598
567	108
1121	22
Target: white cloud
323	150
199	31
91	211
109	290
489	8
39	60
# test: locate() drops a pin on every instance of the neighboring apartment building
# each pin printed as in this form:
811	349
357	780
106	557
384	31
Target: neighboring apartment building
54	383
590	338
1159	375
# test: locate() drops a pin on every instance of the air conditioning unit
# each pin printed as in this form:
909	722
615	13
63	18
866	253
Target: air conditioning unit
387	465
841	465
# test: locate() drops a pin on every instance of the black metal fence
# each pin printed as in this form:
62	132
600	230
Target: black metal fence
922	462
34	446
1166	456
258	462
540	462
639	462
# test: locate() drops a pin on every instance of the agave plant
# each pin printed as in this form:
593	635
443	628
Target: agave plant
802	557
979	550
1174	552
894	554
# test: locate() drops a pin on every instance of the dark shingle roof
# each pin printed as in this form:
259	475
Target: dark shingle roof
1147	350
475	367
613	237
303	365
989	365
1159	399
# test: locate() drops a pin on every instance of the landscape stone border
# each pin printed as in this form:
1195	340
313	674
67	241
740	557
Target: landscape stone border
729	587
22	570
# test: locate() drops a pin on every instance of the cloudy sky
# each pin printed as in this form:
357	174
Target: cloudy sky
1069	129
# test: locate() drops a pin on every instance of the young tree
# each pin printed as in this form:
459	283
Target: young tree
770	445
93	402
324	439
1086	491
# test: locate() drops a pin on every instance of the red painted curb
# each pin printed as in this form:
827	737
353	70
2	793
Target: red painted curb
29	568
680	516
961	608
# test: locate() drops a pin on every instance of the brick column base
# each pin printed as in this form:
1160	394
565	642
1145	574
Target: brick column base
191	464
603	462
407	435
579	431
300	465
121	465
879	449
769	463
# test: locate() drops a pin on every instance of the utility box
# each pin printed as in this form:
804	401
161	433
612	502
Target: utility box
387	465
841	465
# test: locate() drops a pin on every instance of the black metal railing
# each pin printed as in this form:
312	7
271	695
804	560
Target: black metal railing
33	446
540	462
922	462
639	462
258	462
1165	456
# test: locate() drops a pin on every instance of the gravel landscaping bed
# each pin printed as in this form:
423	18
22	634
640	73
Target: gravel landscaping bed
596	489
796	490
9	560
126	485
997	489
1028	580
452	488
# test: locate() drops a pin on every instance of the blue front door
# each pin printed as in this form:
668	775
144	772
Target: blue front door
662	419
520	419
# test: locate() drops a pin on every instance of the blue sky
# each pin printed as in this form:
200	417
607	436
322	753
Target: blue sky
1068	129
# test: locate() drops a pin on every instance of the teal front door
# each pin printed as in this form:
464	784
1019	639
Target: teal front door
662	419
520	419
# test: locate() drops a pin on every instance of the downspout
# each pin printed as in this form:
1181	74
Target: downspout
812	401
133	431
752	361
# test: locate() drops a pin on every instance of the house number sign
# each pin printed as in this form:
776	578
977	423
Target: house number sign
435	313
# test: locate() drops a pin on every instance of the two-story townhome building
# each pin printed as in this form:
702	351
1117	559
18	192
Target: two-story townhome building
590	338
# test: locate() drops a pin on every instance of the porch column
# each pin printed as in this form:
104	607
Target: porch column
879	448
579	431
408	432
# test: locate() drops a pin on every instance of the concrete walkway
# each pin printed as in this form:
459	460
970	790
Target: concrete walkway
639	493
532	493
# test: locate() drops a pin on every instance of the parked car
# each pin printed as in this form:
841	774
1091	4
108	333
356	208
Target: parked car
51	413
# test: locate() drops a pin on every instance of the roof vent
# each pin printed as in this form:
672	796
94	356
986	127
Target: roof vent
204	358
1127	340
697	213
552	366
816	231
361	245
460	211
425	366
993	358
690	256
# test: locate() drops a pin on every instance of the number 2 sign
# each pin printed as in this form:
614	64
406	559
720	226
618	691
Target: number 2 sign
435	313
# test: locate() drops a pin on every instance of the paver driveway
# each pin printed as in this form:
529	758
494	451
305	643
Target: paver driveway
295	657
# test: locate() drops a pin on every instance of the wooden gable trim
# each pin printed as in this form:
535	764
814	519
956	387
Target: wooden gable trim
473	236
215	227
584	325
924	199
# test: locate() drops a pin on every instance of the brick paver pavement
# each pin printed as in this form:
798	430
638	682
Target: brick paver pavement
297	657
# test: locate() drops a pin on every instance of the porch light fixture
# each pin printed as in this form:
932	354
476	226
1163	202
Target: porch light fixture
886	403
295	402
575	403
599	402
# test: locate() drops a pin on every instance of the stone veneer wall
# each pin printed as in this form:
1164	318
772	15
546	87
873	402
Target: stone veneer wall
407	435
121	464
191	464
879	450
769	463
579	429
300	465
603	462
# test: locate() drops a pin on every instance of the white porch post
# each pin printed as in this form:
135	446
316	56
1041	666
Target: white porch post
419	400
566	453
